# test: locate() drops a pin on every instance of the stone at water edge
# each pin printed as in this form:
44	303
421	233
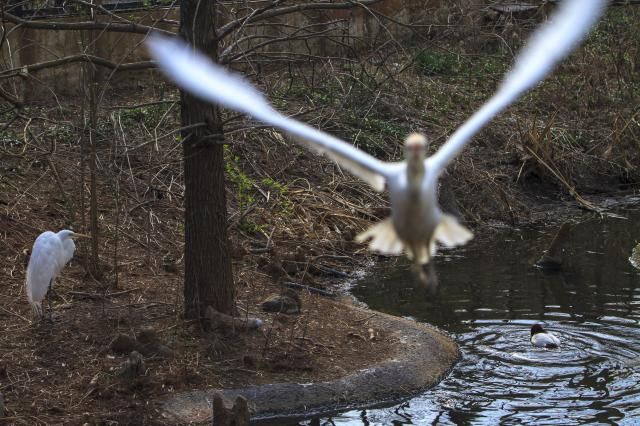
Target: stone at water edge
226	415
151	344
287	303
220	321
423	359
241	411
123	344
146	342
132	367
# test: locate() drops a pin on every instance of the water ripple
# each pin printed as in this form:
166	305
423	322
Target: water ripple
489	299
503	379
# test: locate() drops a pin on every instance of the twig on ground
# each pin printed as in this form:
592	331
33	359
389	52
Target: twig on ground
14	314
310	289
101	296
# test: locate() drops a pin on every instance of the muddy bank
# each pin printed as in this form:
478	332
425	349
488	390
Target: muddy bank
421	359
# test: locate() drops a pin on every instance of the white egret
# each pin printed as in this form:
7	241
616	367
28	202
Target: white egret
51	252
542	338
416	221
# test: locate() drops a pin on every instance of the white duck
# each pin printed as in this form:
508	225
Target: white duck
416	221
542	338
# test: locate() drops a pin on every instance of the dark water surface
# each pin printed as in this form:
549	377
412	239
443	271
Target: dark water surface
490	296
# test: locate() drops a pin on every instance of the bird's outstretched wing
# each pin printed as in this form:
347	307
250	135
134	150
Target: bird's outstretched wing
201	77
568	26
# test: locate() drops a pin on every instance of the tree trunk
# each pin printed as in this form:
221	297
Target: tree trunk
208	277
91	124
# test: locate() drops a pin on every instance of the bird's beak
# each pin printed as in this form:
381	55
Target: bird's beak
76	235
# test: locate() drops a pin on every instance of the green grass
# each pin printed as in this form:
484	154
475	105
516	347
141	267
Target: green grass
243	183
280	193
436	63
149	115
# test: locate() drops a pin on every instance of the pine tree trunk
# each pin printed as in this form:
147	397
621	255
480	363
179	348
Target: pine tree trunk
208	276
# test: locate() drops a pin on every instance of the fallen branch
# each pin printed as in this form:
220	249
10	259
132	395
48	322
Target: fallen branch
329	271
310	289
80	57
10	98
14	314
101	296
365	319
268	12
119	27
586	204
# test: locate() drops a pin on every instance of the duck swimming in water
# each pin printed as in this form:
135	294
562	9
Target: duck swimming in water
543	339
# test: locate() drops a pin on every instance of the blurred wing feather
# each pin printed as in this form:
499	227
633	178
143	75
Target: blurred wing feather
200	76
546	47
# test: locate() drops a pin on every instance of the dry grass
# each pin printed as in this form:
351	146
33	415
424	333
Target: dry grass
66	371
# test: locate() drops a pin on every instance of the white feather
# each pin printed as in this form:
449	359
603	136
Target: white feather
384	238
545	340
416	221
547	46
200	76
450	233
50	253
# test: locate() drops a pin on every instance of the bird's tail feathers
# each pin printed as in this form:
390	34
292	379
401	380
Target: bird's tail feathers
420	255
36	307
383	238
451	233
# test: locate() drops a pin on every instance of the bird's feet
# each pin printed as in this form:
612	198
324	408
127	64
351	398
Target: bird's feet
50	318
427	276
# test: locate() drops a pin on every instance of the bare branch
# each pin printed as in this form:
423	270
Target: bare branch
229	56
122	27
81	57
288	56
120	17
10	98
271	13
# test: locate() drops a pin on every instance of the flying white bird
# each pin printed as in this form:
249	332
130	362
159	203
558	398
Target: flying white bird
50	253
416	221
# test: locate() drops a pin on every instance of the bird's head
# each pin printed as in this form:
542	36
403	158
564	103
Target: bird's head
415	147
536	328
65	234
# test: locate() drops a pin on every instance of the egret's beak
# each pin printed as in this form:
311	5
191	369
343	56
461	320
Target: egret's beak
76	235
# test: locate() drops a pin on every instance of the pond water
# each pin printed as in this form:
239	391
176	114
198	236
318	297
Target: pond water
488	299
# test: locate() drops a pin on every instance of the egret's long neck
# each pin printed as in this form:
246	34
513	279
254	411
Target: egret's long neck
415	174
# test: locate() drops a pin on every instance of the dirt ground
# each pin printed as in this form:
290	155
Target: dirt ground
574	138
68	371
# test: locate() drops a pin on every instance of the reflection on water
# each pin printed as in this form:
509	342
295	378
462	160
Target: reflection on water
490	296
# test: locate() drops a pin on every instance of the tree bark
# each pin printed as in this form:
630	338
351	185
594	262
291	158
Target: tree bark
208	275
91	125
